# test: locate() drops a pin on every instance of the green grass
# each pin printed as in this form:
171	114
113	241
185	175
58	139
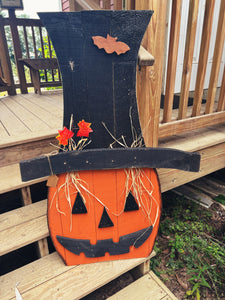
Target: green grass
193	244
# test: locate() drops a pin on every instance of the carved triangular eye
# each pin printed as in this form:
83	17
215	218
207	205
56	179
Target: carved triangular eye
105	220
130	204
79	206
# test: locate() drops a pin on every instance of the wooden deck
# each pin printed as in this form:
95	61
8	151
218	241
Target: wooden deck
29	122
28	116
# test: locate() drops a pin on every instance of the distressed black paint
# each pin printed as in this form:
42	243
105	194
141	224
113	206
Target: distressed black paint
103	159
100	87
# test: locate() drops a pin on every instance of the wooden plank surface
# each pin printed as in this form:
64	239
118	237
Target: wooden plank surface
51	279
43	114
29	116
23	226
149	80
172	60
22	215
145	58
28	119
221	102
146	287
11	179
212	159
220	37
188	57
203	56
11	122
185	125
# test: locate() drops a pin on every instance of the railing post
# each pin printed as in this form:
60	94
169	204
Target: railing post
5	61
17	51
149	79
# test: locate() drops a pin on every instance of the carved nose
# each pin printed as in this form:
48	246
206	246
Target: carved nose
105	220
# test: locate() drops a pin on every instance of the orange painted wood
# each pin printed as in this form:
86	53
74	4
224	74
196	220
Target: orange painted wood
110	44
188	57
172	60
109	189
220	37
203	56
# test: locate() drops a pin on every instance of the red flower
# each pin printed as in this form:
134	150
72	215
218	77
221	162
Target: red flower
84	128
64	136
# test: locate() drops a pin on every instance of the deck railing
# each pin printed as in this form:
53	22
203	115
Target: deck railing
167	121
199	115
30	40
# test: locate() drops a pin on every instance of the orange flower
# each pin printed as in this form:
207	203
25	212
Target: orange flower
84	128
64	136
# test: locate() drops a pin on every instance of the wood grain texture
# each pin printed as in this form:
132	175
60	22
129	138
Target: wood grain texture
149	80
146	287
25	231
212	159
145	58
72	233
185	125
203	56
13	182
172	60
220	37
221	102
188	57
51	278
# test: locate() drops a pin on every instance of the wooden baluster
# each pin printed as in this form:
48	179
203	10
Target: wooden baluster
118	5
50	54
17	51
149	79
172	60
130	4
106	4
26	42
221	102
203	56
34	42
42	48
188	57
5	60
220	36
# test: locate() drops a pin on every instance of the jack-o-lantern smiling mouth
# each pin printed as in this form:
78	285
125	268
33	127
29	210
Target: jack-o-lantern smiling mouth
77	246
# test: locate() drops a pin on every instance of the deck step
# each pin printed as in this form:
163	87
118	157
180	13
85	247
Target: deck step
23	226
148	286
11	179
203	191
49	278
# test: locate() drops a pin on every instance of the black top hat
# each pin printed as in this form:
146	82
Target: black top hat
100	87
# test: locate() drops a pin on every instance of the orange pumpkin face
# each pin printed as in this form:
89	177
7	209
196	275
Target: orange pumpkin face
104	215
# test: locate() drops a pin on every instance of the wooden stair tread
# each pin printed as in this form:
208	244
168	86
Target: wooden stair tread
148	286
48	277
196	139
23	226
11	179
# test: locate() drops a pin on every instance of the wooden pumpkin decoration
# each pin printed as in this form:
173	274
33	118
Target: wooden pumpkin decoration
106	204
104	214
